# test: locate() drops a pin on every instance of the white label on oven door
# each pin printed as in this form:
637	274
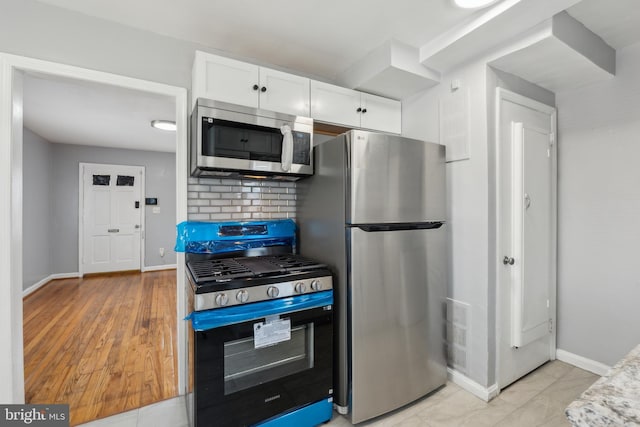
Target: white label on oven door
271	332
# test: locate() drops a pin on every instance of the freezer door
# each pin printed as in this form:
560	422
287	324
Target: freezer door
393	179
397	286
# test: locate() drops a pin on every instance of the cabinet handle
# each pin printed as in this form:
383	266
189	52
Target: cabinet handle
263	89
364	110
359	110
256	87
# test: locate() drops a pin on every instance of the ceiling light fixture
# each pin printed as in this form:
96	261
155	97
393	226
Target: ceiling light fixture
164	125
473	4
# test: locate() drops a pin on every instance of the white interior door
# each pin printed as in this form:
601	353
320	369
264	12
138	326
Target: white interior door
111	217
526	236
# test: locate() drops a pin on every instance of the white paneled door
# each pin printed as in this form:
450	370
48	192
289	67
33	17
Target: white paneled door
526	287
111	220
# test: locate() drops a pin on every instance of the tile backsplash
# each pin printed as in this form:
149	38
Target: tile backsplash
211	199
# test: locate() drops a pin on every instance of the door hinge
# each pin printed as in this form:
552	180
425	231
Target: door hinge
552	140
550	325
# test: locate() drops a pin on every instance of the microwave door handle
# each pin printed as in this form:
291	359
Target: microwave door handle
287	147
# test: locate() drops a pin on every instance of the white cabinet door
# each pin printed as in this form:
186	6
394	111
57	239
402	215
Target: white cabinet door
380	113
335	104
224	79
347	107
284	92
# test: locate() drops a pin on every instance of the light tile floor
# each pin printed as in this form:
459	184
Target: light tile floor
538	399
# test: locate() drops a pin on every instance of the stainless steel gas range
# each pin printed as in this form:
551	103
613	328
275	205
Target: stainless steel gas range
261	333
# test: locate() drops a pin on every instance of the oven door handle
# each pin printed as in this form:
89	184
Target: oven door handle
210	319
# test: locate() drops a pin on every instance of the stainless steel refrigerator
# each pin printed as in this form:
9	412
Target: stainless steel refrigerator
375	213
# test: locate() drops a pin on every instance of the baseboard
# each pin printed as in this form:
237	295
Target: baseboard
582	362
484	393
31	289
159	267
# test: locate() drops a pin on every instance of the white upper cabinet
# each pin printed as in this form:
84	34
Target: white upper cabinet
380	113
284	92
228	80
335	104
223	79
350	108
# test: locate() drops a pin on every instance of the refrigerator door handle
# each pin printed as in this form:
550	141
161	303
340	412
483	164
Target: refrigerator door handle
370	228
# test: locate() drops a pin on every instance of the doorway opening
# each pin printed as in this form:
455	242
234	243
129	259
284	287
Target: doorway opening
14	72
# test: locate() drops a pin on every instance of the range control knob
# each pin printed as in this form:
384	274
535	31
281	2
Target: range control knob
300	288
222	299
273	292
242	296
316	285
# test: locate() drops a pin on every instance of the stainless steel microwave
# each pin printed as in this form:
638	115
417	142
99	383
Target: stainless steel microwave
230	140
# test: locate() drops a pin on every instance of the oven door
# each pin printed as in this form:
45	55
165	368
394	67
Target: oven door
240	379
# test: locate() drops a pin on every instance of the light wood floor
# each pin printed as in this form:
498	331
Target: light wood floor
103	344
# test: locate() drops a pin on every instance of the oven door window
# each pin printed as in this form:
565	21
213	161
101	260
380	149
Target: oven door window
246	366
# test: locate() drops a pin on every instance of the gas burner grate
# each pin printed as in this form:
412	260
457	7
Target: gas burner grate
294	262
218	269
226	269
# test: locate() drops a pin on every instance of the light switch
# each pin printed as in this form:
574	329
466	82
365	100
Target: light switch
156	209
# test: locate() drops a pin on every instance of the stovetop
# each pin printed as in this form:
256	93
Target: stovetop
222	282
226	269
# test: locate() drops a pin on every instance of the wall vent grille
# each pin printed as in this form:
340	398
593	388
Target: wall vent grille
457	334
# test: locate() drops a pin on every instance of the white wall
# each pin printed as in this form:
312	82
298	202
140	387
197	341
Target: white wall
38	30
599	215
36	209
467	205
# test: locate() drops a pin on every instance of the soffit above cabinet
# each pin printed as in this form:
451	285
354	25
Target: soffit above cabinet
617	22
563	54
393	70
397	70
499	25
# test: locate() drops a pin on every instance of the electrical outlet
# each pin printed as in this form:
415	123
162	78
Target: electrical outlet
161	250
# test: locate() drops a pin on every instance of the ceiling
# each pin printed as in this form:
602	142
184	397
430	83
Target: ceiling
316	37
319	38
87	113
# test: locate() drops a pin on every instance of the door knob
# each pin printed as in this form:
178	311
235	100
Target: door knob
508	260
